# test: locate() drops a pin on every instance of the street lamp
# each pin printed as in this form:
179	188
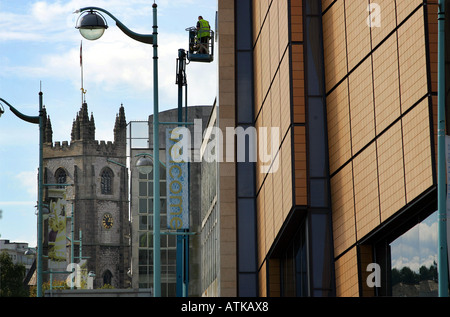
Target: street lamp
92	26
40	121
144	165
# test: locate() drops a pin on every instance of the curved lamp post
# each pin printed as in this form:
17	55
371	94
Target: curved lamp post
442	212
40	121
92	25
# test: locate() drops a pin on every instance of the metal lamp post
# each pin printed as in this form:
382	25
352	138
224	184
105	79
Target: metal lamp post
40	121
92	26
442	210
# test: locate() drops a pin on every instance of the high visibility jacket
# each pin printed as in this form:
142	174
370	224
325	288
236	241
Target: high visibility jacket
204	28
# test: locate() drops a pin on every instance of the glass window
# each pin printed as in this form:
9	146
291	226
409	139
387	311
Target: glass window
244	87
247	235
321	253
61	177
168	242
414	260
314	60
106	181
294	270
243	12
142	188
142	205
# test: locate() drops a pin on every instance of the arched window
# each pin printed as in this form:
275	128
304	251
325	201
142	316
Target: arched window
107	278
106	181
61	177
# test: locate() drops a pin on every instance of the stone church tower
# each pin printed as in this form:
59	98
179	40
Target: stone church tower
94	179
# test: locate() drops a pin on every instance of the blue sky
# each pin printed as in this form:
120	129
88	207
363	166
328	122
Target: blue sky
39	46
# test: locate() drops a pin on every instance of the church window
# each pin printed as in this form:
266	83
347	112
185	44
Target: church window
61	177
106	181
107	278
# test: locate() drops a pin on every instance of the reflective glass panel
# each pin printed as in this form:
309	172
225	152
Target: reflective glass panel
414	260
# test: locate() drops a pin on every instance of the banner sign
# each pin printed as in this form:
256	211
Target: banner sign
57	225
177	180
447	161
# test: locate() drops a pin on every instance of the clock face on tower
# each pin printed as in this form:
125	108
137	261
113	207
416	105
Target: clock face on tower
107	221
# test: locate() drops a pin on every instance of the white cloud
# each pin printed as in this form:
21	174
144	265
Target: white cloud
417	247
29	180
118	63
18	203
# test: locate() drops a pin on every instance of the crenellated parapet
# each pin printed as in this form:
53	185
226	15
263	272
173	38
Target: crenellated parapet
83	137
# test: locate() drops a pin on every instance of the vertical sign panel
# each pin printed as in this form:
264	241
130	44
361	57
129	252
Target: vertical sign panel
177	178
447	156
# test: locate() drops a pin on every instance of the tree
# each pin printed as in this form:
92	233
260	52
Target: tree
11	277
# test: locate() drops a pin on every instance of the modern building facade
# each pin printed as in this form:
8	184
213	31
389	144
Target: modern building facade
347	179
381	88
140	143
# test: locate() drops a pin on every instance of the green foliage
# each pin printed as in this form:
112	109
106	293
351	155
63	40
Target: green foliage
46	287
408	276
107	286
11	277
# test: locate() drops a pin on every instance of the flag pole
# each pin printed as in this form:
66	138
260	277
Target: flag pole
83	92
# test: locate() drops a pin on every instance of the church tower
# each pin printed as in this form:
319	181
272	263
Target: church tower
90	178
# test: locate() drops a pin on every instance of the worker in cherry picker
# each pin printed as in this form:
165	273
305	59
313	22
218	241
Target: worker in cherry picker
203	30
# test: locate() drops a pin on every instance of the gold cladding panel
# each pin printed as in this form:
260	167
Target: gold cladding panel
412	60
258	69
277	178
274	200
262	274
256	7
417	149
346	272
264	8
283	27
286	168
272	19
386	90
343	209
326	3
357	32
338	117
285	94
296	20
432	47
268	210
367	207
276	101
335	52
387	20
265	58
405	7
391	171
361	106
301	188
261	232
298	84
